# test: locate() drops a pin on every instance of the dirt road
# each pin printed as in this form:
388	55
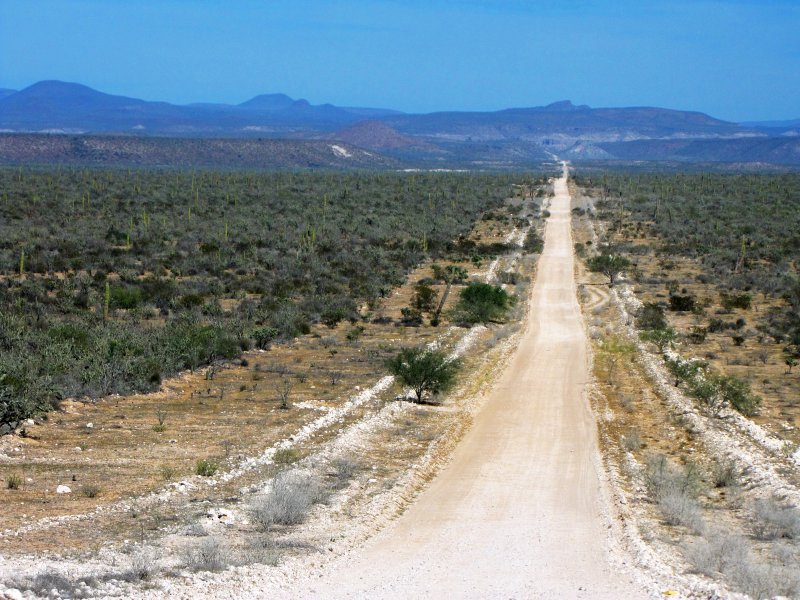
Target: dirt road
519	512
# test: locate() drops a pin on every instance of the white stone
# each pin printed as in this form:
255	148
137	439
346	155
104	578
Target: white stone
13	594
90	426
63	489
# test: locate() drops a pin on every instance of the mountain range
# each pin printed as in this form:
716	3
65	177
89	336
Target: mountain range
512	137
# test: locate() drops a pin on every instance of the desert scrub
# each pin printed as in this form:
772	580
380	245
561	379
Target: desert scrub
14	481
168	472
205	468
91	490
289	501
675	492
773	519
183	243
285	456
207	554
344	468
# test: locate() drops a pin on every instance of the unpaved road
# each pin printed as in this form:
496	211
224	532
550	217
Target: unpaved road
520	511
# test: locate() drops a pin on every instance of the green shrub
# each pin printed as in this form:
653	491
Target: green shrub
610	265
482	303
423	370
651	316
731	301
533	243
205	468
681	303
264	336
410	316
736	392
285	456
14	481
424	298
91	490
126	297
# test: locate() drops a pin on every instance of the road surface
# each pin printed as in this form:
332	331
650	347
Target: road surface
519	512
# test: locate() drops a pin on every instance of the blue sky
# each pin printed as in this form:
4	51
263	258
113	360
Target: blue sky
735	59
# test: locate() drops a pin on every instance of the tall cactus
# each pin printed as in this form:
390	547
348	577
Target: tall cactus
106	302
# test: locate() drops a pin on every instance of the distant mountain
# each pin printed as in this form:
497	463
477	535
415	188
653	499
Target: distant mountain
269	102
564	124
128	151
377	135
778	124
777	151
504	138
55	106
6	92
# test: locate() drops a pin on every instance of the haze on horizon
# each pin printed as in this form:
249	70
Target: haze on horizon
734	59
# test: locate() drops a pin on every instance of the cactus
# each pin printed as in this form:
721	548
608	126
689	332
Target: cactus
308	241
22	263
226	231
106	302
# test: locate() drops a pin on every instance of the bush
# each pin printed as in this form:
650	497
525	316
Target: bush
344	469
91	490
736	392
681	303
664	479
424	298
209	554
651	316
423	370
144	565
288	502
205	468
610	265
726	474
662	338
126	297
533	243
731	301
411	316
482	303
680	509
772	520
14	481
264	336
285	456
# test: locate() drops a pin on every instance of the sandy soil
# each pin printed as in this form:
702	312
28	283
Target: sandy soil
521	511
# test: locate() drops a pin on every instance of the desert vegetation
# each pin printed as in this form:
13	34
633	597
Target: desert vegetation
696	366
224	432
112	280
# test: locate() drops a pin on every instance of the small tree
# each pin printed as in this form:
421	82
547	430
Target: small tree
662	338
791	354
610	265
283	391
423	370
449	274
424	298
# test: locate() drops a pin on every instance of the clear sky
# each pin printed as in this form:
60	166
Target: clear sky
734	59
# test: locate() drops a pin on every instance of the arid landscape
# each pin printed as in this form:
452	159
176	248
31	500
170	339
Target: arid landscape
168	485
399	300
